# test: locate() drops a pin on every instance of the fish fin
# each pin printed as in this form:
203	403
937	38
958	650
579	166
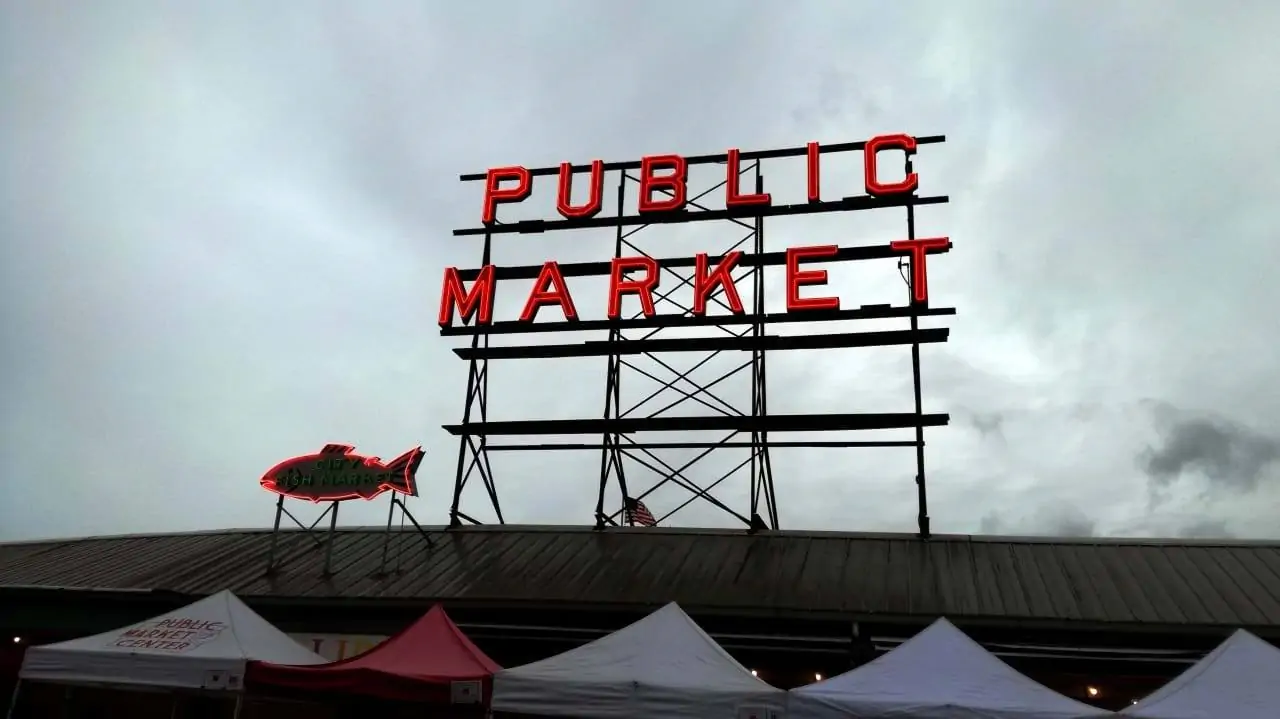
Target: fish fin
404	470
408	461
337	449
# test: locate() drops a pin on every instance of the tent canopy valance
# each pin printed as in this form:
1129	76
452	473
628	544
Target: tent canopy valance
1240	679
430	661
663	665
204	645
939	673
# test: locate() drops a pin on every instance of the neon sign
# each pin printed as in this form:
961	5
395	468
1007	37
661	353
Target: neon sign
337	473
663	197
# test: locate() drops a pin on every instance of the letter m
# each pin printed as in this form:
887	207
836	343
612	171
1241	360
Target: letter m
477	302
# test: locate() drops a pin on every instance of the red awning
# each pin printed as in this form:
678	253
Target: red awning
430	661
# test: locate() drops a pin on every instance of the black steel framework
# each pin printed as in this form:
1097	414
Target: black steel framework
632	346
325	541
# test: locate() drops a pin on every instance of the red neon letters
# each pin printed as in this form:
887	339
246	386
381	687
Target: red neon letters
705	283
495	193
672	184
919	272
549	289
639	276
797	278
477	301
811	165
871	178
733	197
620	285
663	181
595	197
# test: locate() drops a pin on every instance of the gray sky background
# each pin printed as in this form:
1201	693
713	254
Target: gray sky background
224	229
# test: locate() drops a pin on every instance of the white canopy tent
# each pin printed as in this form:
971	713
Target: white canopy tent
661	666
939	673
1240	679
204	645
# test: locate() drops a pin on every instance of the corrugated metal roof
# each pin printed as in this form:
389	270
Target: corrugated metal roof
1142	582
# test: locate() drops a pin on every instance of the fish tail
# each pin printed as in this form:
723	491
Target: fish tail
404	470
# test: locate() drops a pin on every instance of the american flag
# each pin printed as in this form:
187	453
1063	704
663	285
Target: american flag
638	514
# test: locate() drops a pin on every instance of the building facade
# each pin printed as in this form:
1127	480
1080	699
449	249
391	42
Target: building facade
1105	621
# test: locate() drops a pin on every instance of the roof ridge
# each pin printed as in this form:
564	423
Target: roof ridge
707	531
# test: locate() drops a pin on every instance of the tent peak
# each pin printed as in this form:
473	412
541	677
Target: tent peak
939	667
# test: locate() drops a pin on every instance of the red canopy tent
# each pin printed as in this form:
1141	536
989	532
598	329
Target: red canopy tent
431	661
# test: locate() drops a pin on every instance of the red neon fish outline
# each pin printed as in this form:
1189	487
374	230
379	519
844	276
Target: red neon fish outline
406	465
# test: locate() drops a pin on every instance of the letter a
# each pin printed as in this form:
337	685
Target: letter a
549	289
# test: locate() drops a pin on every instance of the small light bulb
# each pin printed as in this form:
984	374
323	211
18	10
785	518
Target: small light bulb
753	673
817	677
17	640
1093	691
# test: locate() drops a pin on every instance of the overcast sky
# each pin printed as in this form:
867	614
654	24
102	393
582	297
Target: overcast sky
224	227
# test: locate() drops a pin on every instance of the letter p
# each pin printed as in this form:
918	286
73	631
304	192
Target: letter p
495	193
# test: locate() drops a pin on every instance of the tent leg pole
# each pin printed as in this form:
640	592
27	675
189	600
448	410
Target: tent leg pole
13	700
239	705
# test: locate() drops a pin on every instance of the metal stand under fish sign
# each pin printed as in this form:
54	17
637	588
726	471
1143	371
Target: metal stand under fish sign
396	501
334	475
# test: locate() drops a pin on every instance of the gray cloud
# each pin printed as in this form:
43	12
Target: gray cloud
1230	456
1048	521
988	424
1206	529
224	226
1071	522
1075	525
